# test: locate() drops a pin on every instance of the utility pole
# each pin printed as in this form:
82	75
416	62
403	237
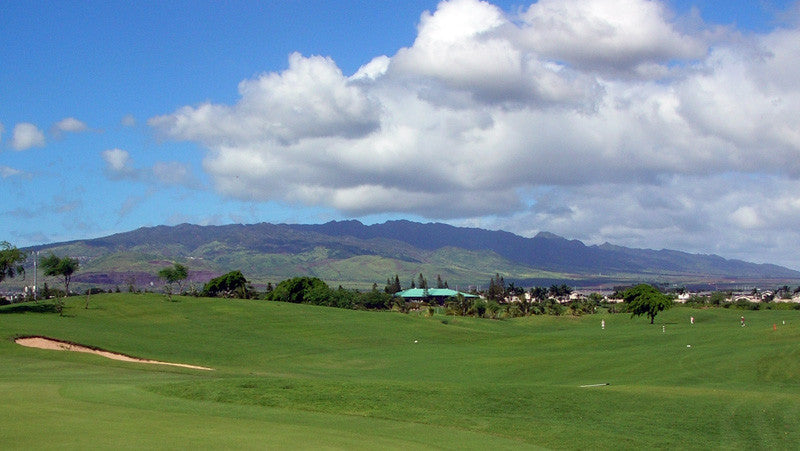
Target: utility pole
35	261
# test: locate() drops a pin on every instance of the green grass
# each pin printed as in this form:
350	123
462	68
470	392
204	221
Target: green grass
298	376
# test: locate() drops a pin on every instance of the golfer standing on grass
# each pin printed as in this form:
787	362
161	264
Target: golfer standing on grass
742	321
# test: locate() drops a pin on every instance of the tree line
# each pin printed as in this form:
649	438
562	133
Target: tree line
498	300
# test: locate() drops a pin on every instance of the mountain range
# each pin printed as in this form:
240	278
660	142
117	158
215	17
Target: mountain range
353	254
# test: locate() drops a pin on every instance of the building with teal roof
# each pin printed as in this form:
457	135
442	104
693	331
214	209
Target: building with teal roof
423	294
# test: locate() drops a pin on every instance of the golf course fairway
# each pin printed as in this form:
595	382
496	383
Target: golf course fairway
308	377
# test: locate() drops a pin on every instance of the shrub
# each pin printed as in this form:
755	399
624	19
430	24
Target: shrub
232	284
745	304
374	300
782	306
580	307
296	290
492	309
719	298
311	290
478	307
400	305
555	309
697	301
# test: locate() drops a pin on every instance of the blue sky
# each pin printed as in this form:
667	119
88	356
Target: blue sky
658	124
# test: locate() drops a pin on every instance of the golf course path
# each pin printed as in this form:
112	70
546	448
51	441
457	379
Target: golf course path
58	345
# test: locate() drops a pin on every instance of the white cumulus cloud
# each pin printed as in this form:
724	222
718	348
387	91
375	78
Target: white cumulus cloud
310	99
118	161
467	46
70	124
616	36
26	135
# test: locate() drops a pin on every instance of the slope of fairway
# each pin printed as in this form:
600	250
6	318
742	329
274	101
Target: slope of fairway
291	376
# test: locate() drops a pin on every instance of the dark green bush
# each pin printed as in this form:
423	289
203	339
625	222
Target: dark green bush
311	290
231	285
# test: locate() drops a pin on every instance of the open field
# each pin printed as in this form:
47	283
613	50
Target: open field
298	376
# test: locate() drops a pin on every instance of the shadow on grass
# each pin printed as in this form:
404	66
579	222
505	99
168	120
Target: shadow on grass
29	308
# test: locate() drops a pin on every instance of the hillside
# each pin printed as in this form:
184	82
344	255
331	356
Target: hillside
552	252
353	254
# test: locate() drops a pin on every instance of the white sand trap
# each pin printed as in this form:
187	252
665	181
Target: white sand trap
57	345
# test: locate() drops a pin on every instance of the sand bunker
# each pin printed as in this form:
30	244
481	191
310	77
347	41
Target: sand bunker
58	345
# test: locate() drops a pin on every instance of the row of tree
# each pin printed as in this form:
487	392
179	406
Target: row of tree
393	285
639	300
11	260
311	290
230	285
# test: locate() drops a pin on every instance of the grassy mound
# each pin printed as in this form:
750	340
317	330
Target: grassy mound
291	376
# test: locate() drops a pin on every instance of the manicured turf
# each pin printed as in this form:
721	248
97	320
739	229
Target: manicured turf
298	376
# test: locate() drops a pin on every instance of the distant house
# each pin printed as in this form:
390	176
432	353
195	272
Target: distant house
425	294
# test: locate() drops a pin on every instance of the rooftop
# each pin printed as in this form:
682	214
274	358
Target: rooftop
431	292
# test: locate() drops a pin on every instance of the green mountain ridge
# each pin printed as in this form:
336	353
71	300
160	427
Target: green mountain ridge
355	255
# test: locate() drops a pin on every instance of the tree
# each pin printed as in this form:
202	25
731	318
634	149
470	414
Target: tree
497	289
422	282
524	302
538	294
719	298
173	275
560	291
596	298
299	290
374	300
492	309
58	266
10	261
232	284
393	286
645	299
460	304
514	291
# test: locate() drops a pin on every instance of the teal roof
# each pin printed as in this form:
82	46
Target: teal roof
431	292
